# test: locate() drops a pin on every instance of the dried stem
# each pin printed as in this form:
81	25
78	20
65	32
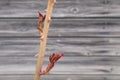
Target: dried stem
44	40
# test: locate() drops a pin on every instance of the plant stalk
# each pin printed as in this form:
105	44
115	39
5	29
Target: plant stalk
44	40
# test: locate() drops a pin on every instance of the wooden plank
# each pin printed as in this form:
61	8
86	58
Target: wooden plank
19	35
63	8
61	28
28	47
112	8
16	77
67	65
61	77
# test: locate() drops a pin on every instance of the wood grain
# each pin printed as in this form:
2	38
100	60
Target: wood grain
74	37
86	31
28	47
63	8
61	77
67	65
62	28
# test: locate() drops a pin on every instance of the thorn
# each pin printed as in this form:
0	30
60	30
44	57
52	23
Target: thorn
40	30
54	1
49	19
41	33
42	37
44	17
41	17
40	14
45	10
36	55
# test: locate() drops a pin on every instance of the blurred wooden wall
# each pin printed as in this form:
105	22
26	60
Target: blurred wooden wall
86	31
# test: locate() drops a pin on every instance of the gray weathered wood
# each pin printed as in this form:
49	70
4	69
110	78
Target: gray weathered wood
62	27
91	45
28	47
19	37
67	65
61	77
63	8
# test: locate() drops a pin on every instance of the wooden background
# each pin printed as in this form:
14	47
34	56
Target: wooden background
86	31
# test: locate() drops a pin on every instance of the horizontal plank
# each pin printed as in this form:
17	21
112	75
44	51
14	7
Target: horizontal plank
29	47
19	35
61	28
66	65
63	8
61	77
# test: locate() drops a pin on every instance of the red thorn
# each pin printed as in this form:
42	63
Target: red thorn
44	17
40	14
